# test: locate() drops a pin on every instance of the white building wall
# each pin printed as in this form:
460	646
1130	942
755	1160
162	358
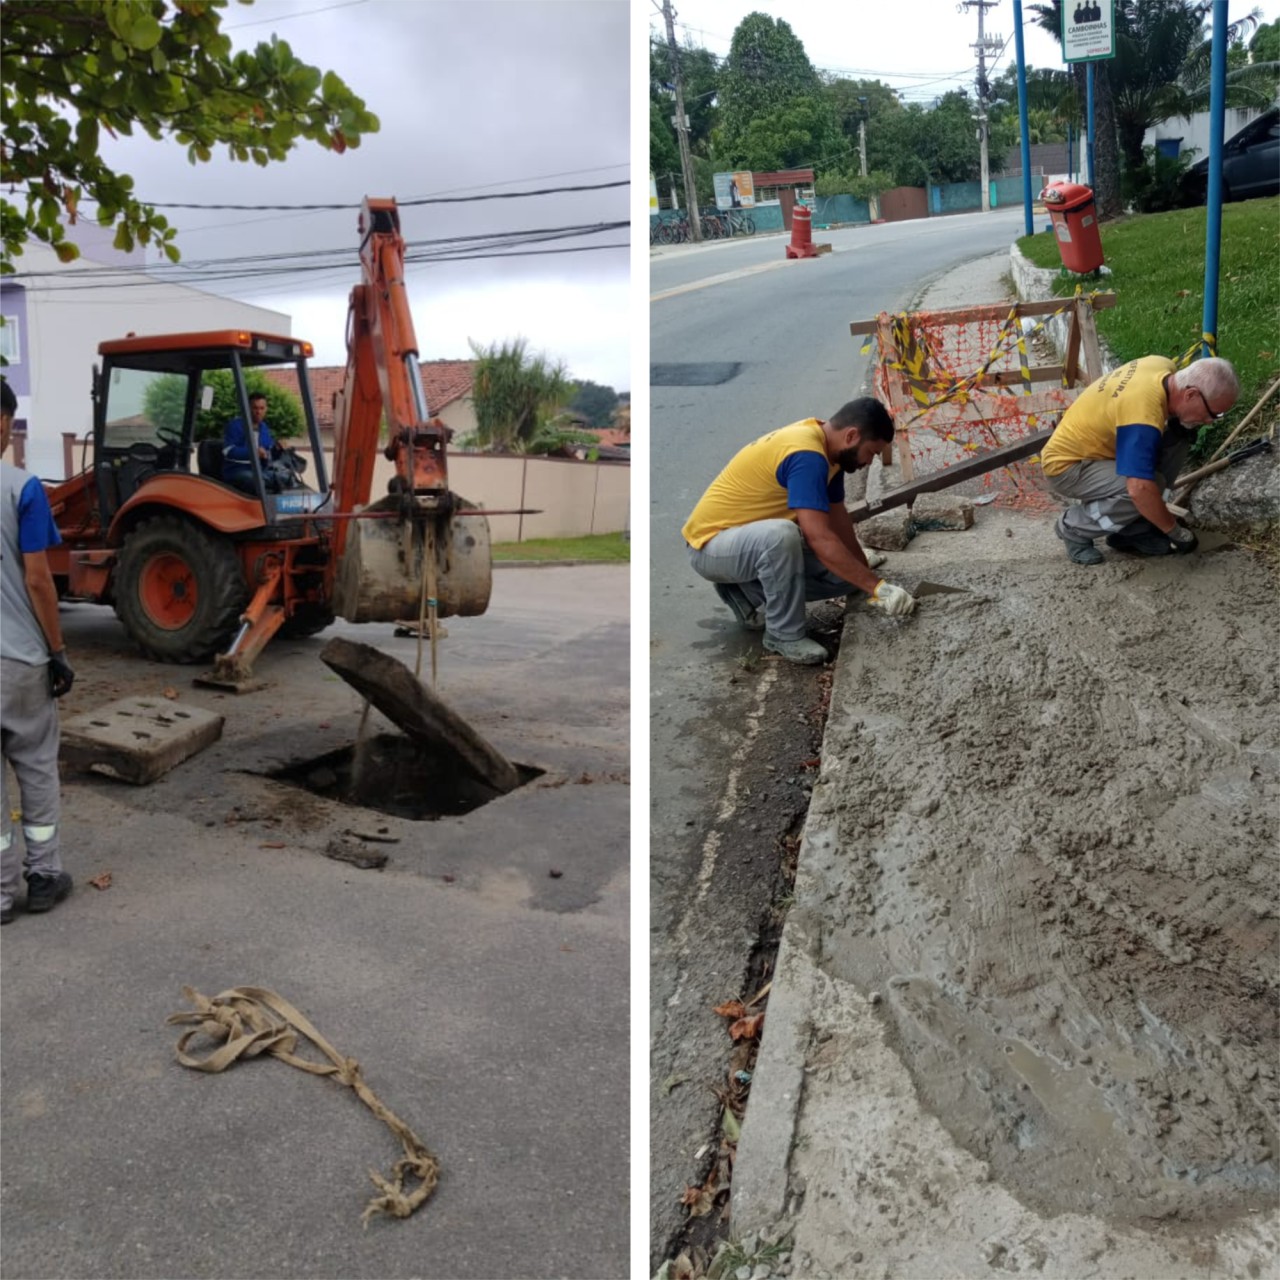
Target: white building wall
1195	132
64	327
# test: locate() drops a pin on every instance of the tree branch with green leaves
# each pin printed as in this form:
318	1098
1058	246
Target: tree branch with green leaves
73	70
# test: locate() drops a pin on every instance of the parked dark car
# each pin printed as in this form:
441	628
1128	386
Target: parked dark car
1250	163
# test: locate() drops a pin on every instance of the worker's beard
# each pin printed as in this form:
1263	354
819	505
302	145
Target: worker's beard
847	460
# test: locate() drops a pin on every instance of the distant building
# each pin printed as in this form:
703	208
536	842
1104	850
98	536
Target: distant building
57	313
447	385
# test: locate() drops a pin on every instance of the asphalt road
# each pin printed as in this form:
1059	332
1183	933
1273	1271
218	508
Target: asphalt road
481	978
741	341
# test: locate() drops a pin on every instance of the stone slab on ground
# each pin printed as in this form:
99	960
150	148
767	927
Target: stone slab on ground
941	512
401	696
890	531
138	739
1243	496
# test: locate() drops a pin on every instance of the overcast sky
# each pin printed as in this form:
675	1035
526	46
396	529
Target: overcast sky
474	98
919	47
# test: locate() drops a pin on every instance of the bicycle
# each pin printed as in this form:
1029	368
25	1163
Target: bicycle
741	224
712	226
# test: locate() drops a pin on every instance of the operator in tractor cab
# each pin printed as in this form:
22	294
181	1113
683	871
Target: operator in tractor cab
1119	448
280	466
772	530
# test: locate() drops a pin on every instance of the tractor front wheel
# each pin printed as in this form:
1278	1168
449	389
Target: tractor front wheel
179	590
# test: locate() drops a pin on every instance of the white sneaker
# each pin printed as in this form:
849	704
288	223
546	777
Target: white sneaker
805	651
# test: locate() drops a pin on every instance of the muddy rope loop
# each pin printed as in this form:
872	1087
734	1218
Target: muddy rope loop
249	1021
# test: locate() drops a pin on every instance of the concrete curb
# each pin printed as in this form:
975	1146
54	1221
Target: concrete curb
1035	284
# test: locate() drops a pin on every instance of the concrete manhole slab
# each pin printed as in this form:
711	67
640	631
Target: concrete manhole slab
138	739
702	374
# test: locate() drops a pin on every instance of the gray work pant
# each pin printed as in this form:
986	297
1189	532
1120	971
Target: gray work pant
29	738
1100	501
772	564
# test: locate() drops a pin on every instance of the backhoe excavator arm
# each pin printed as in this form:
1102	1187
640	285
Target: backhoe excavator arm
405	551
383	378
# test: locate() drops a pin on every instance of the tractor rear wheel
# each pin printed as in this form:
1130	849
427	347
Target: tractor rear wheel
179	590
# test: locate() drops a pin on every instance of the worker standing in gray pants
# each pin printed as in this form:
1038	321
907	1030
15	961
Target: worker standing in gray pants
33	673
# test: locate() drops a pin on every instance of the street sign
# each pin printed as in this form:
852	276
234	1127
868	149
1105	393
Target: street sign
1088	30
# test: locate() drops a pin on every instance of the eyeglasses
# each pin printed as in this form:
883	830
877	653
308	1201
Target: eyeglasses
1213	417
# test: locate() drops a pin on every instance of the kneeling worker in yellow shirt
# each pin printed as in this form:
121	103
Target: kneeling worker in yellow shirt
772	530
1119	448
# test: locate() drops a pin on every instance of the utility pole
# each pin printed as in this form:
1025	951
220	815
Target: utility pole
681	122
873	204
986	44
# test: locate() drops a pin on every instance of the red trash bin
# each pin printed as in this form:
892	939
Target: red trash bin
1075	223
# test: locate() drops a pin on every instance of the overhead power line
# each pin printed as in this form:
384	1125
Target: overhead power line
214	270
403	204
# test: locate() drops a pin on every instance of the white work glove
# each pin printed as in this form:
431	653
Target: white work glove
894	600
1183	539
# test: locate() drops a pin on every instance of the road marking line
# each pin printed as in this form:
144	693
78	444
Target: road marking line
728	806
724	278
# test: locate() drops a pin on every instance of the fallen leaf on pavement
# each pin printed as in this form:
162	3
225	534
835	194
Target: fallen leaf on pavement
102	881
682	1268
747	1028
700	1200
730	1009
170	692
732	1129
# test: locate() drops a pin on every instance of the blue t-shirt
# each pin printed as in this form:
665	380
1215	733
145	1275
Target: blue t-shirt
235	446
27	526
804	476
1137	451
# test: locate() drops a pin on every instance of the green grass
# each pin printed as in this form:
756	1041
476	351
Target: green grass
604	547
1157	275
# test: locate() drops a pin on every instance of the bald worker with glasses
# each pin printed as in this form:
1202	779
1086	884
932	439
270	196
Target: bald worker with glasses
1119	449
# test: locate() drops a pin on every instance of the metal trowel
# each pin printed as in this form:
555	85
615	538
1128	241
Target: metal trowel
938	589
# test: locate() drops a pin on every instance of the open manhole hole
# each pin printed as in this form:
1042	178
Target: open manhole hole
398	776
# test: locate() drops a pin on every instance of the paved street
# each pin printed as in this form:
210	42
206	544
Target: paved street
481	979
741	342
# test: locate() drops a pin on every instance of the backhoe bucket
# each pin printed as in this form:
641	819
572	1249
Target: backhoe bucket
381	579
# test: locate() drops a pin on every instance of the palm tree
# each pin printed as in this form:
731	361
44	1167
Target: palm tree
514	394
1160	70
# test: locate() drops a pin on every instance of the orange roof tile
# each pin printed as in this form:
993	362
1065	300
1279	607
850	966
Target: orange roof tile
443	382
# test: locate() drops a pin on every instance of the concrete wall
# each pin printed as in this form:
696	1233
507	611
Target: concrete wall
828	209
65	324
572	498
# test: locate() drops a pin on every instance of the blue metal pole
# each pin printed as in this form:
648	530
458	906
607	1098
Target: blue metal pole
1022	119
1213	211
1088	78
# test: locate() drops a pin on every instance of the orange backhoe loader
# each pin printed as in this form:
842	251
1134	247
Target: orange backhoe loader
196	568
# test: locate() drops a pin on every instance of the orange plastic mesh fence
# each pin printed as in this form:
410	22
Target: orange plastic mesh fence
958	387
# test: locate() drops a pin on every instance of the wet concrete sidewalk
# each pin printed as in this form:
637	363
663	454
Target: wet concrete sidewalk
474	976
1017	1022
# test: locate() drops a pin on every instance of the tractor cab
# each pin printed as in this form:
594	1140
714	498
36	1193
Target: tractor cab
161	410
